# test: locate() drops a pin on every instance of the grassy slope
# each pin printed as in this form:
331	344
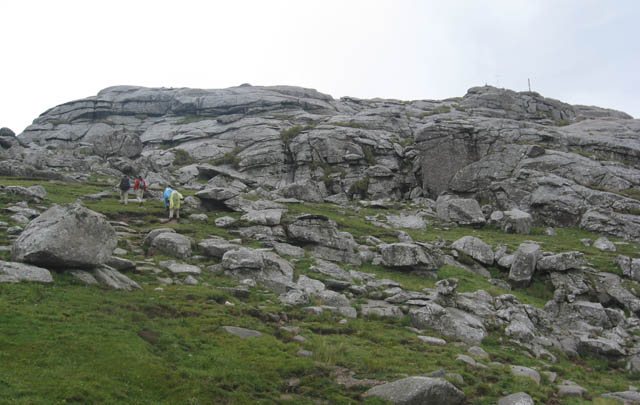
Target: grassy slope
67	342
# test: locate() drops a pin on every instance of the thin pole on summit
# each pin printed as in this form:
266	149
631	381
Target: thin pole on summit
529	82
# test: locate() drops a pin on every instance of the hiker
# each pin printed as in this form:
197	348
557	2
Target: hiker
166	195
140	187
125	185
174	204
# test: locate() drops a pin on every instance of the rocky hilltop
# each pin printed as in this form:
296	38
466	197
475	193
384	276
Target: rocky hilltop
493	210
566	165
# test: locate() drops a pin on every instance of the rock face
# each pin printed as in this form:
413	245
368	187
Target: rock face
66	236
563	164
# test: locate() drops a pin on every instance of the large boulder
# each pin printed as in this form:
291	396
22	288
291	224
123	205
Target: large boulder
69	235
524	263
450	322
266	268
264	217
305	191
216	247
242	258
172	244
411	255
561	262
476	248
513	221
381	309
462	211
418	391
33	193
320	235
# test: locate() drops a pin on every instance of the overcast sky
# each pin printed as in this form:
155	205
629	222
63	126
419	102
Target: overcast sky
577	51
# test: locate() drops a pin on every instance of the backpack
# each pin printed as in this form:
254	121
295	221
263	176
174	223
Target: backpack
124	184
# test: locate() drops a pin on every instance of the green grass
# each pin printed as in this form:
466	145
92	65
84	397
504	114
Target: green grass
287	135
67	342
182	158
229	158
349	124
443	109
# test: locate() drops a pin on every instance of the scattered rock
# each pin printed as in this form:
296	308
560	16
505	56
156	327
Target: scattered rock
225	222
450	322
407	221
462	211
121	264
381	309
520	398
478	352
173	244
522	371
242	333
476	248
626	397
416	256
114	279
433	340
11	272
569	389
418	390
604	244
561	262
181	268
524	263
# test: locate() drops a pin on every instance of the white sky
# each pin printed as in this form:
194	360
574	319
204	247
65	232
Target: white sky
577	51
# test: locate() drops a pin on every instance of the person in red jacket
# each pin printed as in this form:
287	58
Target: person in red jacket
140	187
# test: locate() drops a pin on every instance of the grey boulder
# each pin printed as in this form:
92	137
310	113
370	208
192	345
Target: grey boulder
450	322
520	398
418	256
604	245
513	221
407	221
418	391
173	244
11	272
69	235
524	263
462	211
114	279
242	333
476	248
561	262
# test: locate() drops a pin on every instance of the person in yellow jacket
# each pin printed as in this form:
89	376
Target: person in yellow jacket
174	204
